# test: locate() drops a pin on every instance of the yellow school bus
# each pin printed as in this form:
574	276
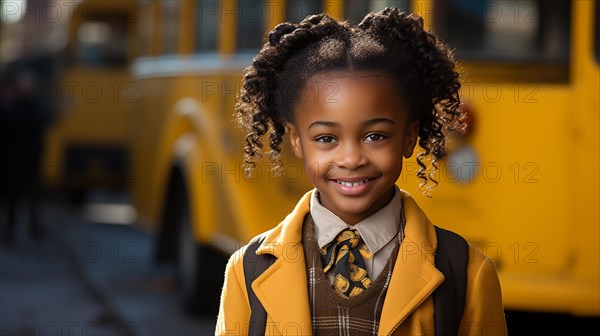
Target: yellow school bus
87	145
522	184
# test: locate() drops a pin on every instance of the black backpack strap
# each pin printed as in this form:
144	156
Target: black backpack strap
451	258
254	265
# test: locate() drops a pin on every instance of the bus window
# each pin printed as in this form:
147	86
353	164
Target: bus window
296	10
207	19
145	28
596	34
102	41
250	24
507	31
355	10
170	26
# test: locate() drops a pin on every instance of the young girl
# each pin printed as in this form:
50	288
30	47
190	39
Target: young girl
357	255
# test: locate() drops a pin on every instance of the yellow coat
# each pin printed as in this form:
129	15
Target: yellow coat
408	305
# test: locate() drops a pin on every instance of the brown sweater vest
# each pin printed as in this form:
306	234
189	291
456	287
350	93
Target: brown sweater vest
331	313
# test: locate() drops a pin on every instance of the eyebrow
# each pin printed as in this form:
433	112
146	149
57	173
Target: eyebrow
365	123
378	121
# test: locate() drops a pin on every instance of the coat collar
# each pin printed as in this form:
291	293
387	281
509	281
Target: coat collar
414	277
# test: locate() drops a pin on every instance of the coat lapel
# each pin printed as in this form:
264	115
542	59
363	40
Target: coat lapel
283	287
414	276
283	291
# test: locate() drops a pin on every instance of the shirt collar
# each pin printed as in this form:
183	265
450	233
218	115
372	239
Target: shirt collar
376	230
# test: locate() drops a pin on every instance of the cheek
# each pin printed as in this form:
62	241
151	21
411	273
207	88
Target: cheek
391	163
318	164
312	163
311	169
389	160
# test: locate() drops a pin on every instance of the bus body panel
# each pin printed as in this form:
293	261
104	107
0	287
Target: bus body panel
530	199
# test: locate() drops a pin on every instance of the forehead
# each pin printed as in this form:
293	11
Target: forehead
356	77
354	87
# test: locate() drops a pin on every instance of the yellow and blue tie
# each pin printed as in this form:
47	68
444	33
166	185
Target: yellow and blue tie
345	256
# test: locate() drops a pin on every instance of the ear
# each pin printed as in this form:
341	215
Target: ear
294	139
410	138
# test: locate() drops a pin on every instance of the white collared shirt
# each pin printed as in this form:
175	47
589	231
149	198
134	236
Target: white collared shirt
378	230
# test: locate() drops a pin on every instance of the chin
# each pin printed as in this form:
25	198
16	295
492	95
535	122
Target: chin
358	206
352	205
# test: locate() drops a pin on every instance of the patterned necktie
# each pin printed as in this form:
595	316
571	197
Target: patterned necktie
346	255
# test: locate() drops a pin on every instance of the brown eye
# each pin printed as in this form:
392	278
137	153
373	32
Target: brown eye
374	137
325	139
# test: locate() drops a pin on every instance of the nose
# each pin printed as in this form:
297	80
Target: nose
351	156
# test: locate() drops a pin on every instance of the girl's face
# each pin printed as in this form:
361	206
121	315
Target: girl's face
352	129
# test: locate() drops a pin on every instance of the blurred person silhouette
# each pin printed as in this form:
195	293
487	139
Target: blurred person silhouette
22	123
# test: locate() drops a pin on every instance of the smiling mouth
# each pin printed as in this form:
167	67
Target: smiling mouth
353	184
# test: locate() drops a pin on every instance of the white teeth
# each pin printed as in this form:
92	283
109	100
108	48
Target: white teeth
351	184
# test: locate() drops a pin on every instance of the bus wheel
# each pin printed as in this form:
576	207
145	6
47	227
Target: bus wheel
200	269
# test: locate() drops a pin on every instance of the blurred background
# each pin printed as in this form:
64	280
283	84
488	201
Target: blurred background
121	186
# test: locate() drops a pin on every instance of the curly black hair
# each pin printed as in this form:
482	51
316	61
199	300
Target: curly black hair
394	42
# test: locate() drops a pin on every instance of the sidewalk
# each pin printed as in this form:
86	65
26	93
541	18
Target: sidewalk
86	278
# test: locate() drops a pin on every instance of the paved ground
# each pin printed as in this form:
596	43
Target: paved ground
85	278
